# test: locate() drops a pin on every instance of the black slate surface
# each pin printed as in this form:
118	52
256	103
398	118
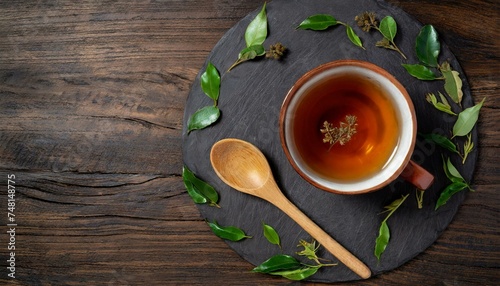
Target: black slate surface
250	100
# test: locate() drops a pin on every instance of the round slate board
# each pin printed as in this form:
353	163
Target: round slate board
250	99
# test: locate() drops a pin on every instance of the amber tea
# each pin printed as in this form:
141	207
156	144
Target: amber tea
345	128
349	127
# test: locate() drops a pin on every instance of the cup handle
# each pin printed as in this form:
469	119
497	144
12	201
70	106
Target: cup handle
417	175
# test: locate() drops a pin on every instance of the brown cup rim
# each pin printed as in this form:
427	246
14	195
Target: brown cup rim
319	69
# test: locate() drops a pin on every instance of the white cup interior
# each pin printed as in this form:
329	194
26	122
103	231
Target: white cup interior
395	164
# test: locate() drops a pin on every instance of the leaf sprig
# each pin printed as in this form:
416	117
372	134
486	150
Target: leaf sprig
458	183
255	35
289	267
384	233
441	105
321	22
387	27
463	126
206	116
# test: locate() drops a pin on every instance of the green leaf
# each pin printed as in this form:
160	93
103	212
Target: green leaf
353	37
427	46
198	190
251	52
452	82
204	117
271	235
441	106
382	240
318	22
231	233
441	141
210	82
444	105
256	31
453	85
388	28
298	274
280	262
196	196
443	99
452	172
420	71
467	119
448	192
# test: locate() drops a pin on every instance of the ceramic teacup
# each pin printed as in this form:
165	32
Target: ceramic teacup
349	127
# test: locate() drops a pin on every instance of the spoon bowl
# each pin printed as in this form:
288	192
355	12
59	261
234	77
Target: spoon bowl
226	157
243	167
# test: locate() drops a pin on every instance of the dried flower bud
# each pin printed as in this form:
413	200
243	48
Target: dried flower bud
366	21
276	51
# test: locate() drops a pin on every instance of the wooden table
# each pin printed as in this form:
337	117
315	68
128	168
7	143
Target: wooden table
91	103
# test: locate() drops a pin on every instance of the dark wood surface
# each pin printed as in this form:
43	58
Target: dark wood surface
92	97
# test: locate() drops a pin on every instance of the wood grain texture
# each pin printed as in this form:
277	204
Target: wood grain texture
91	103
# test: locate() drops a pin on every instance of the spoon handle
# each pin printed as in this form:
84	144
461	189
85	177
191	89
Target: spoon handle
321	236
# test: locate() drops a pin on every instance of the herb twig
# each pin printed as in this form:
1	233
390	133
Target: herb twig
458	183
468	147
466	121
442	105
310	251
289	267
419	194
206	116
255	35
384	233
341	134
387	28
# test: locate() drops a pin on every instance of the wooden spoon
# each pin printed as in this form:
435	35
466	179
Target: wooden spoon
242	166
